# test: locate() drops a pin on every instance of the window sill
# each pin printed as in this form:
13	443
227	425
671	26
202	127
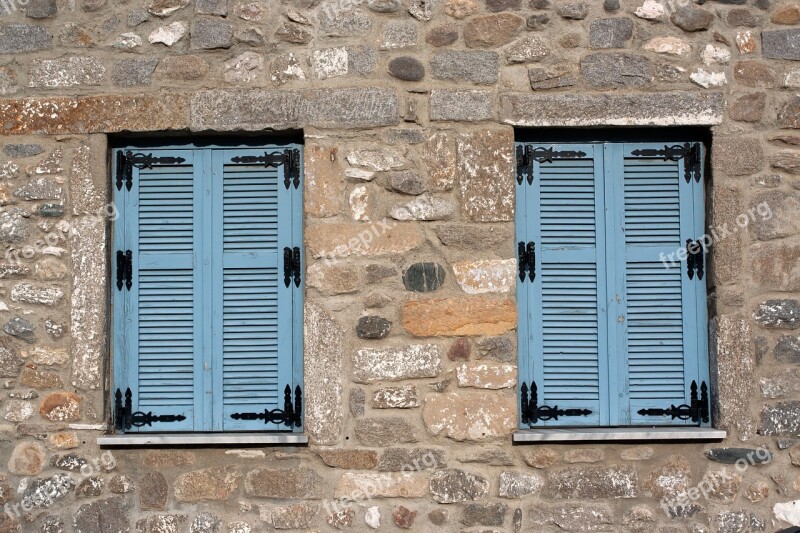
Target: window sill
189	439
618	434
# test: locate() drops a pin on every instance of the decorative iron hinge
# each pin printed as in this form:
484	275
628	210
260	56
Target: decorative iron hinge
696	410
533	413
290	415
291	266
124	269
127	160
289	158
526	155
695	258
527	260
125	418
691	154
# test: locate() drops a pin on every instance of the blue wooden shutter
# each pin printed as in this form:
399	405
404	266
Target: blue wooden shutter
254	334
564	312
662	336
156	323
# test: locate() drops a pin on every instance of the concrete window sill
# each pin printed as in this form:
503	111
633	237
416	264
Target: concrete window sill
201	439
672	434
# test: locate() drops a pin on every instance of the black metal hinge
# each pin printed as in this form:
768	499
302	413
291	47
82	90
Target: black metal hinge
289	158
691	153
127	160
124	269
533	413
695	258
527	154
291	414
125	418
526	260
696	410
292	267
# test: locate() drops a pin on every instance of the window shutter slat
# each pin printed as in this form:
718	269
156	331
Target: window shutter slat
157	333
255	306
660	301
567	337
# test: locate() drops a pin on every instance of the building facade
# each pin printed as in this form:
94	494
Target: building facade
405	264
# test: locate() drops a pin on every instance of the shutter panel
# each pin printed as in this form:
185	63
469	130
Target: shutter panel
566	341
661	305
157	331
253	331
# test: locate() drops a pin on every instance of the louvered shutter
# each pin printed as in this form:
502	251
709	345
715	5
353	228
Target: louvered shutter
157	323
564	337
664	326
253	313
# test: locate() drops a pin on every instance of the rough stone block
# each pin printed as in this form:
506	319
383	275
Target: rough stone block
488	31
283	483
387	485
210	33
732	374
593	482
486	174
459	316
460	105
384	431
460	65
340	240
781	44
486	375
610	33
67	72
573	517
392	364
323	358
643	109
324	185
614	70
24	38
470	416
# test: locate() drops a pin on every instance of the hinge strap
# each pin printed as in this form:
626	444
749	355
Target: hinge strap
296	266
695	258
125	418
127	160
696	410
124	269
532	412
288	265
290	415
526	260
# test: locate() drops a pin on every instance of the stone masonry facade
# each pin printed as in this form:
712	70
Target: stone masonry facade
408	110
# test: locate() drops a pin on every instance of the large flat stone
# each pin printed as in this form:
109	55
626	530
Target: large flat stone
392	364
476	315
322	364
386	485
470	416
384	431
324	184
592	482
461	105
257	109
208	484
284	483
23	38
643	109
732	374
485	162
573	517
781	44
337	241
94	114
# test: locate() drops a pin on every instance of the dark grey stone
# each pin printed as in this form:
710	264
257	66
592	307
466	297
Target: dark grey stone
20	328
423	277
574	10
22	38
783	418
209	33
756	524
517	520
763	4
416	459
496	348
110	515
405	136
361	60
610	33
153	492
406	68
691	19
476	66
729	456
40	9
495	6
683	511
133	72
384	431
785	444
782	314
787	350
490	514
10	362
136	16
616	69
406	182
373	327
461	105
538	21
344	24
762	347
540	4
384	6
357	400
44	492
22	150
781	44
89	487
731	2
51	210
211	7
452	486
611	5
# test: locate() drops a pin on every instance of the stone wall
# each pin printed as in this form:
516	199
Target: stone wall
408	109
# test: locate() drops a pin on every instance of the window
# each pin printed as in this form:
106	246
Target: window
613	319
207	296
